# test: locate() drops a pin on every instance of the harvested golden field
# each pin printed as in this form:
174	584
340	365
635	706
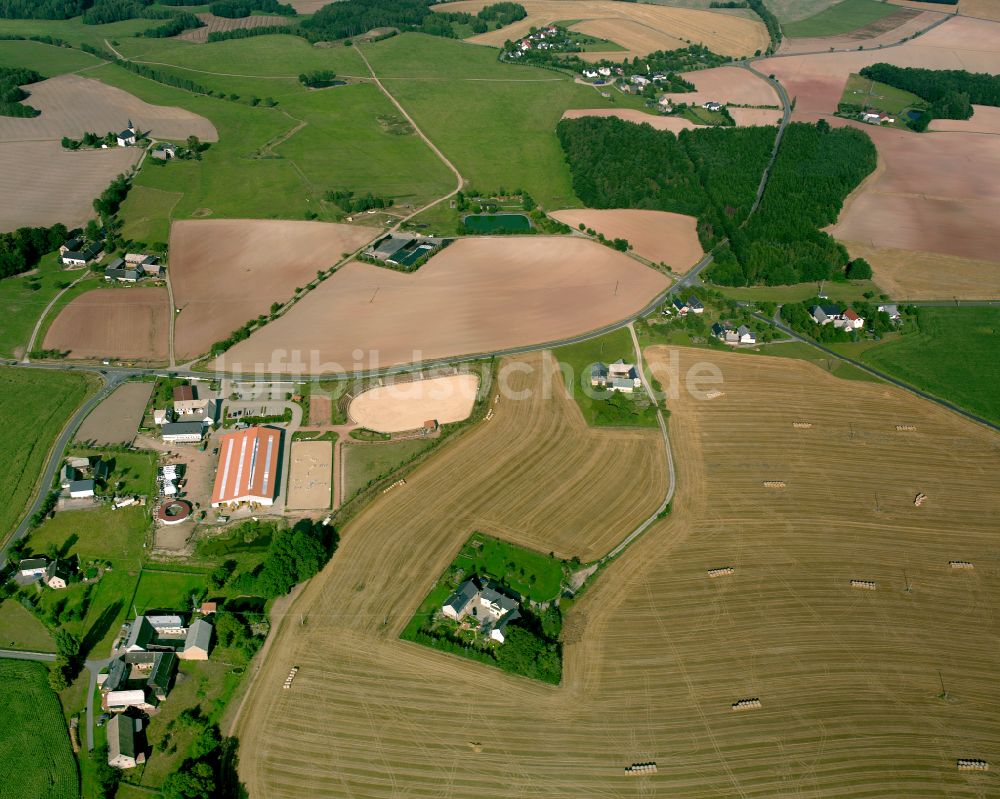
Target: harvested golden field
727	85
406	405
639	28
214	24
908	275
72	105
35	172
934	192
748	117
225	272
676	124
477	295
886	31
121	323
659	236
655	652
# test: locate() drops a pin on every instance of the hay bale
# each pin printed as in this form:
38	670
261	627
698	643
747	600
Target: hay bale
721	572
801	425
972	764
960	564
774	484
747	704
906	428
919	500
715	394
867	585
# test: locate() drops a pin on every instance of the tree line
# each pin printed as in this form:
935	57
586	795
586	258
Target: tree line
236	9
11	93
349	204
770	22
951	92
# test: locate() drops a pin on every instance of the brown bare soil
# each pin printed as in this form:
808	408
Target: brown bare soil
225	272
36	173
122	323
986	9
72	105
116	420
639	28
478	295
985	119
885	31
676	124
655	652
396	407
727	85
908	275
311	475
214	24
660	236
320	410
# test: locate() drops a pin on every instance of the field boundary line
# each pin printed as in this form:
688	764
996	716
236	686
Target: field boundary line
44	313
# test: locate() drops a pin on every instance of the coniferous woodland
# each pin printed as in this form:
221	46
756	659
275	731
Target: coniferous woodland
11	93
951	92
714	174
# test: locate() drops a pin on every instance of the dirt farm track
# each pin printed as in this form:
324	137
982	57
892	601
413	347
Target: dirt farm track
655	651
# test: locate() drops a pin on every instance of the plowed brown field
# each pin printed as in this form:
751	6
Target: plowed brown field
639	28
225	272
888	30
214	24
477	295
655	651
72	105
727	85
125	323
660	236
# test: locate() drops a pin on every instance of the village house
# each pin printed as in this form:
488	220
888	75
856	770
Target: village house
590	74
711	105
604	72
892	310
680	306
640	80
162	416
164	152
619	376
125	742
120	701
70	245
81	489
83	256
832	314
851	320
695	305
147	263
665	105
725	333
487	604
197	641
57	575
128	136
746	335
877	118
182	432
30	569
119	271
68	474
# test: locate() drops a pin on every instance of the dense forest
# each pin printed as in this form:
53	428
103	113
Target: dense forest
951	92
43	9
714	173
11	93
235	9
175	25
21	249
710	173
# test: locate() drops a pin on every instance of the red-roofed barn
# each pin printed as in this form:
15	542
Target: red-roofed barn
248	467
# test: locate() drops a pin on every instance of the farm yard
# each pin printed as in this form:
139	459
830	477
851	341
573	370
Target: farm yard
400	406
654	620
116	420
121	323
658	236
483	295
34	741
640	29
311	477
214	24
226	272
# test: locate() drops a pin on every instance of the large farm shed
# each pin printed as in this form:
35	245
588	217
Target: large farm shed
248	467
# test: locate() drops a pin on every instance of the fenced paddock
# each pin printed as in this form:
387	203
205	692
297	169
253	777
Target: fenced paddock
656	654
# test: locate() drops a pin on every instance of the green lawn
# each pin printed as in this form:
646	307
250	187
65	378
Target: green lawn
879	96
368	462
603	408
804	352
46	59
24	297
702	116
952	355
166	590
844	17
837	292
148	211
34	407
75	32
19	629
35	750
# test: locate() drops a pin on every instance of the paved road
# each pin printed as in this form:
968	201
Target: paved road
112	380
876	373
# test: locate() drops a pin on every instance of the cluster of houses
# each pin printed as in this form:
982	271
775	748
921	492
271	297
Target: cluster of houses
727	334
56	574
484	606
133	267
141	675
683	307
832	314
77	252
188	418
619	376
548	38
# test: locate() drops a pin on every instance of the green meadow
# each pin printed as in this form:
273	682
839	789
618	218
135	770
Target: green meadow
843	17
49	61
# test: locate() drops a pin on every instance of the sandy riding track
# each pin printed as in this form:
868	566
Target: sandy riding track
72	106
639	28
35	173
123	323
660	236
311	475
400	406
225	272
656	652
477	295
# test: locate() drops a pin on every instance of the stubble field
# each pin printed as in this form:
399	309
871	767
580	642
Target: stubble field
125	323
477	295
660	236
656	652
639	28
225	272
